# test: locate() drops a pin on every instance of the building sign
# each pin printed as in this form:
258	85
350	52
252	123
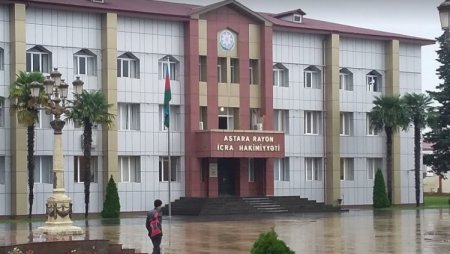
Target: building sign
240	144
249	143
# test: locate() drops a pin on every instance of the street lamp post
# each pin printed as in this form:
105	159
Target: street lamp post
59	205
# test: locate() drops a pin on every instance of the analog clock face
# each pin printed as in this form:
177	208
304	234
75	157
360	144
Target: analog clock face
226	40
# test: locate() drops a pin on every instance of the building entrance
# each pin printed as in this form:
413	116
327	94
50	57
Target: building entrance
228	176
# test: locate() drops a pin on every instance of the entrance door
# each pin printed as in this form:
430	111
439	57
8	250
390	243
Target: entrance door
227	176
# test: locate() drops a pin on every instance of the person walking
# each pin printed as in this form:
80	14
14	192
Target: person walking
154	226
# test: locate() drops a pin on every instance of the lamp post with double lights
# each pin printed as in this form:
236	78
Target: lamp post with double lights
59	205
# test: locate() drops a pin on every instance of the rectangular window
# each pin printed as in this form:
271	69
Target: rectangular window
174	118
312	122
44	119
130	169
346	123
281	120
312	79
38	61
43	169
313	169
2	112
370	131
281	169
254	73
173	71
203	124
279	77
255	119
347	170
2	59
164	168
84	65
222	70
227	118
251	170
234	70
202	69
129	116
345	81
127	68
373	164
373	83
2	170
78	166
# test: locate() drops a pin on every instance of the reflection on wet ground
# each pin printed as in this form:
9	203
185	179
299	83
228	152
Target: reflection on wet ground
356	231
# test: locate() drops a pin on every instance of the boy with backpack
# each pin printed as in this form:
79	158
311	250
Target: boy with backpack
154	227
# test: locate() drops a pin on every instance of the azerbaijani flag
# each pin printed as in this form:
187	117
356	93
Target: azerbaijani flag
167	97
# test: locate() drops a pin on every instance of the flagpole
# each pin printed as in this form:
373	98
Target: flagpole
168	146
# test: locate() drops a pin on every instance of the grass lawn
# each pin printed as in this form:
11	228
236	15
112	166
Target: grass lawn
435	201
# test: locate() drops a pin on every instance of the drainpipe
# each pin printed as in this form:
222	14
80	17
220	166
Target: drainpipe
323	122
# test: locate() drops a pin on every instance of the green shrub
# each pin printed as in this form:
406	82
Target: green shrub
380	198
111	206
268	243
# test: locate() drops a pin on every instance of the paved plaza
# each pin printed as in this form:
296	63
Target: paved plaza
356	231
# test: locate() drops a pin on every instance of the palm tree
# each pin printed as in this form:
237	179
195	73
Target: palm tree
27	114
90	108
417	105
388	114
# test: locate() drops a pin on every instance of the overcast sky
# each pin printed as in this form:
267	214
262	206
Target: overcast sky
411	17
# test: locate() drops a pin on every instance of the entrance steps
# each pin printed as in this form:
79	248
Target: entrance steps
265	205
246	205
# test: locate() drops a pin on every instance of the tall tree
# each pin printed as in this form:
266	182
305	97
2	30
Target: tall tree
27	111
417	106
388	114
90	108
439	135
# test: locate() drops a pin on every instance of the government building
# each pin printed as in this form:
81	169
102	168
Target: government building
263	104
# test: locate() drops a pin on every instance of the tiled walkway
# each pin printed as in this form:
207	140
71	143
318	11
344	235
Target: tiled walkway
358	231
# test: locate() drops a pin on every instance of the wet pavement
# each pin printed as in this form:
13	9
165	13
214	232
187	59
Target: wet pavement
356	231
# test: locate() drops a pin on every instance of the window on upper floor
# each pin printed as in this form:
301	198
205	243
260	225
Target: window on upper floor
281	169
281	120
373	164
297	18
280	75
373	81
313	169
78	166
370	131
312	77
130	169
254	72
2	170
312	122
228	118
39	59
129	116
234	70
174	66
164	168
85	63
347	169
128	66
174	115
203	124
202	69
2	112
2	59
222	70
345	79
44	119
346	120
43	169
255	119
